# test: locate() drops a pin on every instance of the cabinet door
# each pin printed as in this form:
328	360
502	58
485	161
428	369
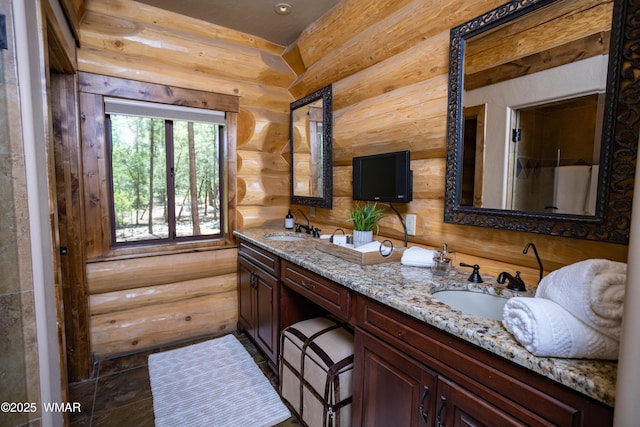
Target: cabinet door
391	389
457	407
266	326
246	300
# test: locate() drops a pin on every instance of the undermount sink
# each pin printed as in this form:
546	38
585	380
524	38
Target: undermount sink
285	237
477	303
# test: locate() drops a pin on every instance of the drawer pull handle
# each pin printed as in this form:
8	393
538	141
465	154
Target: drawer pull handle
423	414
443	401
308	285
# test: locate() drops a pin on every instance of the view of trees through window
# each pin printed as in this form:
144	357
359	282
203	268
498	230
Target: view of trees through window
165	179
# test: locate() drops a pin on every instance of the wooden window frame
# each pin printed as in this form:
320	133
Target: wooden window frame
93	88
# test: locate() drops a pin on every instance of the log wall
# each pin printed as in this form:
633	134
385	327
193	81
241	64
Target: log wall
388	63
146	302
389	73
140	300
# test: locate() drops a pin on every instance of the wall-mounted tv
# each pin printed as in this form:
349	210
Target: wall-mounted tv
383	177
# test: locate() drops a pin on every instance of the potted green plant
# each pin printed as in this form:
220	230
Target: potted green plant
364	218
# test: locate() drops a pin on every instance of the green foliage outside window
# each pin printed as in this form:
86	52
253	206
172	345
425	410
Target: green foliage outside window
166	179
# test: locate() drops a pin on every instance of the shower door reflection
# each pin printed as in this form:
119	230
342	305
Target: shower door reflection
554	156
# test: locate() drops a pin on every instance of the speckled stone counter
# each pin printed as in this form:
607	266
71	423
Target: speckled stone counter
409	289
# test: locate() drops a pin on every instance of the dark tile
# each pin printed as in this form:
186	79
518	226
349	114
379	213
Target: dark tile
185	343
293	421
136	360
139	414
35	423
124	363
81	423
271	376
94	370
84	393
256	354
121	389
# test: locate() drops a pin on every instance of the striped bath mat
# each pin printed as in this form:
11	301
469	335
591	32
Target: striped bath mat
214	383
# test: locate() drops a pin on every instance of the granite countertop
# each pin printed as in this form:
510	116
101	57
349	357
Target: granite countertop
409	290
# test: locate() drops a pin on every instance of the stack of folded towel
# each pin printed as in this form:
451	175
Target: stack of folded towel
418	257
576	312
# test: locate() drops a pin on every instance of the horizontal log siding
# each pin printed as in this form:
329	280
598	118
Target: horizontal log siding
389	81
140	302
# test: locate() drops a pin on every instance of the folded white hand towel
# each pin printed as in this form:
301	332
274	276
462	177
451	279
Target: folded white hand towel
418	257
546	329
592	290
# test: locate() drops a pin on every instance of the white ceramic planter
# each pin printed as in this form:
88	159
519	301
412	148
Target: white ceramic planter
362	237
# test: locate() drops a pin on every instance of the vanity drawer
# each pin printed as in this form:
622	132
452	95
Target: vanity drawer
258	256
323	292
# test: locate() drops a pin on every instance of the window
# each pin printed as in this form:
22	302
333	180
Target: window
166	172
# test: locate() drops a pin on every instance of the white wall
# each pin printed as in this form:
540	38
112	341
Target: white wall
567	81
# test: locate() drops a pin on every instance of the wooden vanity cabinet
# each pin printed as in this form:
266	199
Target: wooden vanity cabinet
398	390
334	298
406	372
458	407
258	296
394	388
396	357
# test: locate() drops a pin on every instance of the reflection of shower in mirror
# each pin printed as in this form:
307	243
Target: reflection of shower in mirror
575	189
528	122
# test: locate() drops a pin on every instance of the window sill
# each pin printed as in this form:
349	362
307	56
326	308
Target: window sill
144	251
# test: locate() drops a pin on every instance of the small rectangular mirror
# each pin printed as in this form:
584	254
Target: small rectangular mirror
311	157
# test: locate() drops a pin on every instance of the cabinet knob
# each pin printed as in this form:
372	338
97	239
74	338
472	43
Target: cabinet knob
308	285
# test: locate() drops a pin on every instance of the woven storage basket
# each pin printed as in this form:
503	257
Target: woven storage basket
316	371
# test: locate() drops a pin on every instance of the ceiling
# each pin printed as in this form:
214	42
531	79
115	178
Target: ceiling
255	17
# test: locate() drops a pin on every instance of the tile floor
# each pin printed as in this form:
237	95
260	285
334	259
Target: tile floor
119	394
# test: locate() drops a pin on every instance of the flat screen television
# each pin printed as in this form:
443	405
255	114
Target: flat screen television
383	177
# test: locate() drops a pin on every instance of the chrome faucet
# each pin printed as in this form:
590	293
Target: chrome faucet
515	283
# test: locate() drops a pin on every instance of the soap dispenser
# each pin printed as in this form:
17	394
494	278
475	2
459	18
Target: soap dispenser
288	221
443	260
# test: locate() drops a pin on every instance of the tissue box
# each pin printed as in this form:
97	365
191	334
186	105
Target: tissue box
316	371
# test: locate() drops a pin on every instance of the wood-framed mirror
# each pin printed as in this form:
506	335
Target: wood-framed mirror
507	73
310	138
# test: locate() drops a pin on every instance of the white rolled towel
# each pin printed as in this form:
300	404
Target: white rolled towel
592	290
418	257
545	329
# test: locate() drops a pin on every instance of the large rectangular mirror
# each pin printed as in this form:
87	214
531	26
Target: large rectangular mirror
543	123
311	149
